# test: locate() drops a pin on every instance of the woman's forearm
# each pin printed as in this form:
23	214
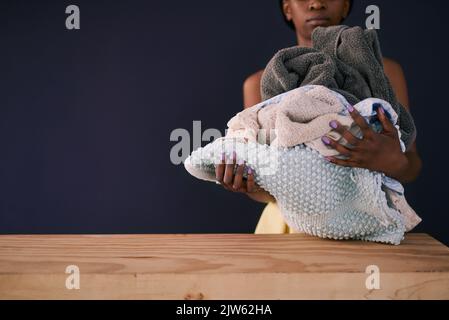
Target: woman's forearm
411	168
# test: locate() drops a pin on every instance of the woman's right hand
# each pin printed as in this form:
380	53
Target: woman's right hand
224	174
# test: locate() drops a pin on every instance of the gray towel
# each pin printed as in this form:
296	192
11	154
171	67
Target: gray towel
346	60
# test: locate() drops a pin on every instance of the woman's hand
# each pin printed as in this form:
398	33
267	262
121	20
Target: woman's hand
376	151
224	174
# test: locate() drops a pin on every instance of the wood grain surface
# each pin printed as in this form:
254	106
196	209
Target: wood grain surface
220	266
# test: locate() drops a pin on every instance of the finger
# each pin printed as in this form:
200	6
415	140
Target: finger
387	126
250	183
361	122
220	169
238	178
229	171
343	163
345	133
242	189
227	188
337	146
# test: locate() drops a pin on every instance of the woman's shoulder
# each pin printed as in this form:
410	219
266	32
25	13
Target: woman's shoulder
253	79
251	89
391	65
394	72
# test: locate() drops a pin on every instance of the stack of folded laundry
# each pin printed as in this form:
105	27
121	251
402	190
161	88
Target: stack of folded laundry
280	139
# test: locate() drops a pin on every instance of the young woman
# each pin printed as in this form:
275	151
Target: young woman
378	152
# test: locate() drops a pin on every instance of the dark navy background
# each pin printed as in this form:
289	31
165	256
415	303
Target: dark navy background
86	115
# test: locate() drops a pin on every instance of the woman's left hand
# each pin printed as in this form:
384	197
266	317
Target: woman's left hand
376	151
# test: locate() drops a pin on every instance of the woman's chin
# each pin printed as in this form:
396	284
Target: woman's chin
318	23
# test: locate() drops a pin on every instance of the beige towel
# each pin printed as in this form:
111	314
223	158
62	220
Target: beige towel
301	117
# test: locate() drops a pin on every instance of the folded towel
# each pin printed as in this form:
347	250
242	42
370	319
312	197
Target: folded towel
346	60
299	117
314	196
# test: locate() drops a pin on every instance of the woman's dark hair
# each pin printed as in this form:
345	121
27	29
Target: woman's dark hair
290	23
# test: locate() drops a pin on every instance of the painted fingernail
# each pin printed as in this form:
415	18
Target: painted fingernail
326	140
240	162
350	108
250	171
223	156
333	124
382	110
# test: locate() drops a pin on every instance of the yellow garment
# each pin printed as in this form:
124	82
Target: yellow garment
272	222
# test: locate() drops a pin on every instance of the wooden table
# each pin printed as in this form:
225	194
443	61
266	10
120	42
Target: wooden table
219	266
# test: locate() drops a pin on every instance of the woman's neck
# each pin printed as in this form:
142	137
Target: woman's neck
303	42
